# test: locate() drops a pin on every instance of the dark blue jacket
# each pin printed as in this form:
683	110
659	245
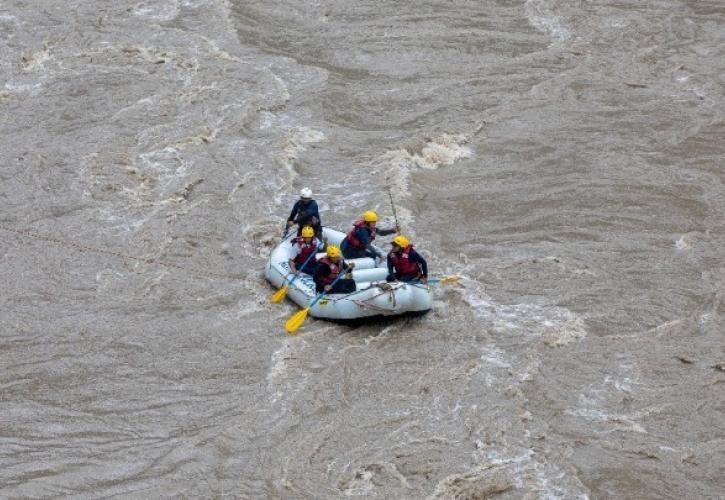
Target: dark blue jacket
302	213
363	234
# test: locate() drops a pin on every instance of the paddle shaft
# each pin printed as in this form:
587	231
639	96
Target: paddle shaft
303	265
392	205
325	292
432	281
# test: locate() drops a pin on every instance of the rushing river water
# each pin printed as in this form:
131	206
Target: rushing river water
565	157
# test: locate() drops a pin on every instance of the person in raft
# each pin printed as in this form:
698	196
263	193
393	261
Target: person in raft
305	213
302	247
358	241
329	268
404	263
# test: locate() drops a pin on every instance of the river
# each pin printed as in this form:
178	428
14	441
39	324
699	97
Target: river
564	158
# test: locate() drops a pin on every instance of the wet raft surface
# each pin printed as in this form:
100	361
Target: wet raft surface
567	159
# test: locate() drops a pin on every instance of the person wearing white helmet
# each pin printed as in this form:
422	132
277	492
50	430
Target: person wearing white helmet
305	213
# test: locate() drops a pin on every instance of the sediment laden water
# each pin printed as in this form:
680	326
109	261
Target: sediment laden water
566	158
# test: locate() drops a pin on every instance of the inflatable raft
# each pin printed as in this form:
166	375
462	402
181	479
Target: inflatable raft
373	297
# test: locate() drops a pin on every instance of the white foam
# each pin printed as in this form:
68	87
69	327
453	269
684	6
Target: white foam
683	243
297	143
360	484
495	357
195	4
556	325
590	407
37	60
157	11
167	163
23	87
541	16
278	370
499	473
432	154
443	151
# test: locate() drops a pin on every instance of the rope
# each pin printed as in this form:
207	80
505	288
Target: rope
356	292
363	303
89	249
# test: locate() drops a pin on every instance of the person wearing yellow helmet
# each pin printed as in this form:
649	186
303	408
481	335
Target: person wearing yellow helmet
302	248
329	268
404	263
358	241
305	213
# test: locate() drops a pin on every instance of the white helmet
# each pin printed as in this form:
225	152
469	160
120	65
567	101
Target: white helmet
306	193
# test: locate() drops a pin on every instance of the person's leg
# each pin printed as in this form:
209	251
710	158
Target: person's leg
370	253
350	252
344	286
310	268
409	277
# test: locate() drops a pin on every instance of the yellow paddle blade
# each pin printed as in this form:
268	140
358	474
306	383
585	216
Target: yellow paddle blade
279	295
296	320
449	279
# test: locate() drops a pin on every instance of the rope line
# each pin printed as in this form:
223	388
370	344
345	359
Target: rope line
87	248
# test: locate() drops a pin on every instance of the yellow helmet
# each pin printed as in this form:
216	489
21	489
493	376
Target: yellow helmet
333	252
308	232
401	241
370	216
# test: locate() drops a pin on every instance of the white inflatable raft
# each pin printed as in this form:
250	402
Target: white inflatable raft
373	297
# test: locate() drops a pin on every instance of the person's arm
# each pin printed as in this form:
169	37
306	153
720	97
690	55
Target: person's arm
363	234
295	252
418	259
385	232
292	216
391	270
347	266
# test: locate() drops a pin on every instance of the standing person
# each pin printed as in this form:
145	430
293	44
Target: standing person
404	263
305	213
302	247
329	268
358	241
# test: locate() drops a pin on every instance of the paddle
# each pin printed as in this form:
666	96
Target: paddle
280	294
392	205
299	317
443	280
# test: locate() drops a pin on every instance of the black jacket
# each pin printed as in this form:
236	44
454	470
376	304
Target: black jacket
301	213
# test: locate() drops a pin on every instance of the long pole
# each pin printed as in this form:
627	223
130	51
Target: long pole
392	205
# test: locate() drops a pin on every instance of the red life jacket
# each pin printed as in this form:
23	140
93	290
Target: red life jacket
335	269
402	263
352	238
305	250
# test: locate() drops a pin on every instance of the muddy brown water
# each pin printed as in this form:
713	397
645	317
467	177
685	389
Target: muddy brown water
565	158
